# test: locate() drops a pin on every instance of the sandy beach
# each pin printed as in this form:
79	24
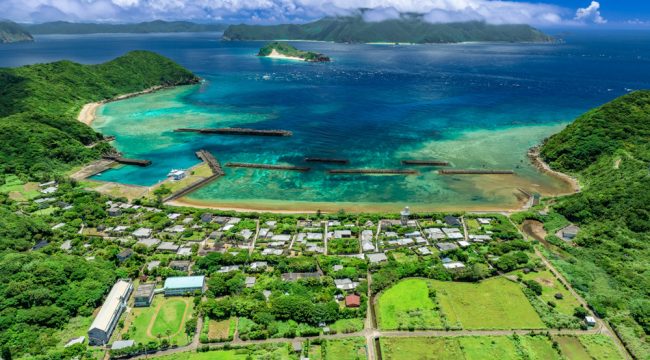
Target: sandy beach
276	55
541	165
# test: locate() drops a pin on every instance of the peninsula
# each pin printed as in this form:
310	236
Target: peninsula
10	32
281	50
407	29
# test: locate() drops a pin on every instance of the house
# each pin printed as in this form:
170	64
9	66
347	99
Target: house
177	175
124	255
148	243
206	217
122	344
41	244
114	211
271	224
281	238
227	269
153	264
424	250
569	232
184	285
167	246
47	184
337	267
590	321
246	234
50	190
184	251
180	265
314	236
269	251
144	295
142	233
484	221
454	265
463	243
297	276
452	221
258	265
353	301
366	241
173	216
58	226
345	284
104	323
446	246
250	281
66	246
342	234
176	229
376	258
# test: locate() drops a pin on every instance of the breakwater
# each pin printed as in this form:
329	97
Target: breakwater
374	171
127	161
237	131
474	172
326	160
267	166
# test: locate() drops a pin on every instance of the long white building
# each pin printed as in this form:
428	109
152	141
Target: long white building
104	324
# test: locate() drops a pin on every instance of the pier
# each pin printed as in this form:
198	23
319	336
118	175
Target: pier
267	166
426	162
237	131
127	161
374	171
326	160
212	162
475	172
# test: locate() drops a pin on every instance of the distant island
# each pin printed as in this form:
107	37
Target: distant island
10	32
408	29
157	26
280	50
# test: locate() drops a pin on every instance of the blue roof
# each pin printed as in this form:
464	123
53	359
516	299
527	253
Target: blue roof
181	282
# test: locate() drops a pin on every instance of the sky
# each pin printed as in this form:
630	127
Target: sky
544	13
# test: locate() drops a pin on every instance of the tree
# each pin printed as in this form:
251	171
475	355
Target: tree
534	286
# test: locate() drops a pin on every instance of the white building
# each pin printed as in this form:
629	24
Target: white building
104	324
176	174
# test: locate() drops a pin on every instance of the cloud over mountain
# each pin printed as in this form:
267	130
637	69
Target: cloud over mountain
274	11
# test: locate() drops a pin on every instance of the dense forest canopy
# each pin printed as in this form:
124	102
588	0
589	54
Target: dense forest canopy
408	29
608	149
39	104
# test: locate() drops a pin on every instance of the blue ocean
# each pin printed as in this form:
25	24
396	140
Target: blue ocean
474	105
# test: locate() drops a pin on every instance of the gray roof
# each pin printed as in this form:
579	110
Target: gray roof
111	305
376	258
122	344
445	246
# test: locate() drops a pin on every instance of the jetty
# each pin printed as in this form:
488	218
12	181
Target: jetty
127	161
214	166
267	166
374	171
426	162
326	160
474	172
237	131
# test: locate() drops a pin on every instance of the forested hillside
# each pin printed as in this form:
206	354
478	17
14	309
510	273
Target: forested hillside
609	150
39	104
408	29
156	26
11	32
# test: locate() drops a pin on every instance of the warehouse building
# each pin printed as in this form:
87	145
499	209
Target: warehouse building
184	285
104	324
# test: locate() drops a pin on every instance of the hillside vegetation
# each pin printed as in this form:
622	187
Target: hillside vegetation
608	149
408	29
288	50
39	105
157	26
11	32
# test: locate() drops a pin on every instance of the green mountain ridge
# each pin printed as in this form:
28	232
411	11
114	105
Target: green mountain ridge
10	32
608	149
408	29
39	105
157	26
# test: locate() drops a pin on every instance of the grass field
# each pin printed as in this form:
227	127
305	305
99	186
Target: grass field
600	347
165	317
496	303
268	351
572	348
346	349
469	348
18	190
315	352
550	287
221	330
347	326
397	311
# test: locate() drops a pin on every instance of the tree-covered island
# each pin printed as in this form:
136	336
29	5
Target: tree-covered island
283	50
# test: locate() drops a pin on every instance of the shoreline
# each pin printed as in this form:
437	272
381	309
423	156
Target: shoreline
276	55
536	159
88	112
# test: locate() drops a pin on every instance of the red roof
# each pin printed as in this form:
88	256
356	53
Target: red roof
352	300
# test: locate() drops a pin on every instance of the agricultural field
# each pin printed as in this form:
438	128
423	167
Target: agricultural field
223	330
18	190
598	347
345	349
495	303
550	287
347	326
164	319
396	311
267	351
514	347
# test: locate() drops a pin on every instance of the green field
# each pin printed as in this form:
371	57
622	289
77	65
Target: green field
347	325
397	311
550	287
268	351
165	318
346	349
598	347
18	190
469	348
496	303
572	348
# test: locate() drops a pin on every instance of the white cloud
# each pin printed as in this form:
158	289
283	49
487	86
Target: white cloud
264	11
590	14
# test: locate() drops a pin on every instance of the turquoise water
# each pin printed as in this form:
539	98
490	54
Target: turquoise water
475	105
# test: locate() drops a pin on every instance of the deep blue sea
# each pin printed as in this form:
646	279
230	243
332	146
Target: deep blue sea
476	105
